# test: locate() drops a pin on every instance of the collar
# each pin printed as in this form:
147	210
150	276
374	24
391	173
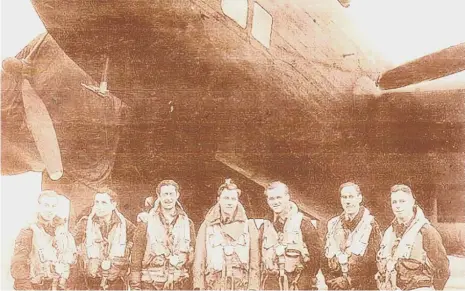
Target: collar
234	228
156	209
214	215
114	219
49	226
400	228
56	221
293	210
351	224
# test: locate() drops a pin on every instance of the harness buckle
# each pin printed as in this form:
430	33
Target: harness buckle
106	265
174	260
228	250
280	250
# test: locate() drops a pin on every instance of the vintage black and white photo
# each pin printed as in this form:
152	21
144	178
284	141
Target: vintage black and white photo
233	145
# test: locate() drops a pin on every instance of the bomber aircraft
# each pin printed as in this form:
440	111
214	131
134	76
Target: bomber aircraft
126	93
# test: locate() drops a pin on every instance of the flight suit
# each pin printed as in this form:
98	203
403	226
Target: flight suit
163	252
290	252
227	252
43	256
412	256
104	252
349	260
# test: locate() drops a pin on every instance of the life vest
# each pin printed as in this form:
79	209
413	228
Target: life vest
94	247
410	246
58	251
160	259
225	249
356	243
289	245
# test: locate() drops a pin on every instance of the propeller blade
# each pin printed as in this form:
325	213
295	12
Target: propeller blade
344	3
35	50
41	126
433	66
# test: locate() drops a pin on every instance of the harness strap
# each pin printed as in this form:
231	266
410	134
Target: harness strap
171	278
223	278
293	285
283	279
229	274
283	283
104	281
264	278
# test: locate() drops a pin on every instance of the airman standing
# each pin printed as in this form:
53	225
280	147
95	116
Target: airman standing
45	251
227	250
412	256
351	244
163	245
105	239
290	244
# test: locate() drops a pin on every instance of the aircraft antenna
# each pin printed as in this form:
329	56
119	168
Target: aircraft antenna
104	82
101	90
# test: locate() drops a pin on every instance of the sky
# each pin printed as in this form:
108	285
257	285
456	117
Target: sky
403	30
20	24
29	186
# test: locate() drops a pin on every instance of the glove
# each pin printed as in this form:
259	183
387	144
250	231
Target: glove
143	217
93	267
22	284
168	284
314	283
62	283
134	280
339	283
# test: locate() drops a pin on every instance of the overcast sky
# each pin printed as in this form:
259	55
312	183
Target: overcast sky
20	24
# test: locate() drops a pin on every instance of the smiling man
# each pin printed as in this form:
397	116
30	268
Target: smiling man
44	251
163	244
351	244
412	256
226	250
290	244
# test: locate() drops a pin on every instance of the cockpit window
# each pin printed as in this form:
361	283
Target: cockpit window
261	25
236	10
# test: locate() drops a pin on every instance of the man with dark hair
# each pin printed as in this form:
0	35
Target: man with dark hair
290	244
105	239
412	255
351	244
163	244
44	251
226	250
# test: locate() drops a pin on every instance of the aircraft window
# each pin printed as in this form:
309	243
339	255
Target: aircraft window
236	10
261	25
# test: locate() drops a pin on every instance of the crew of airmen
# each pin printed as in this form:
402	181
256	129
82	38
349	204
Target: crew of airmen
230	251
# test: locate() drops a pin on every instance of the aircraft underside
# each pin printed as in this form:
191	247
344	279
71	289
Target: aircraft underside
194	97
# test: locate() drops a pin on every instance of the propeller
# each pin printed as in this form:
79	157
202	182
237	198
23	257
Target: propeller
344	3
433	66
36	114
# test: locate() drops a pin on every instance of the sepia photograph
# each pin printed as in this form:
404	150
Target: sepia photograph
233	145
